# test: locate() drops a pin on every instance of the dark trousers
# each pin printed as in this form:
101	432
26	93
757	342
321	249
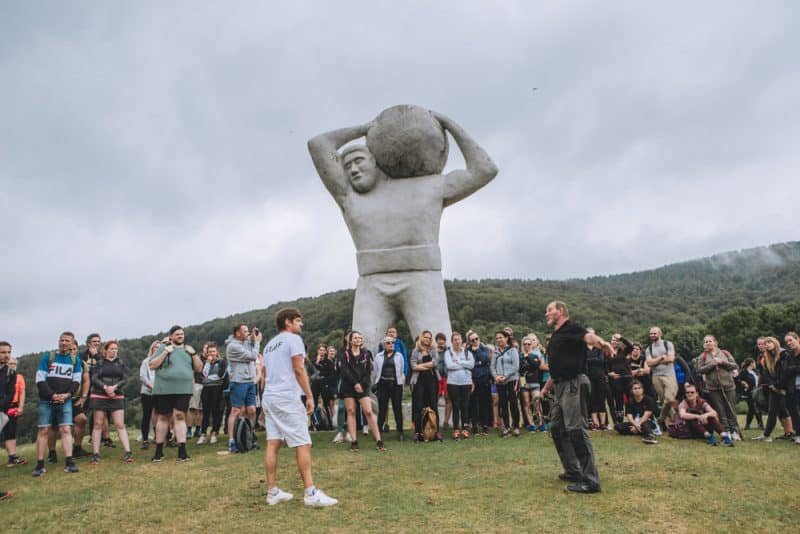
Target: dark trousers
620	387
212	408
387	389
753	412
459	398
777	409
625	428
508	402
480	404
426	392
568	415
699	430
147	412
600	394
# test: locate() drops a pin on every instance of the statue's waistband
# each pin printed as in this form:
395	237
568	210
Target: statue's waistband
399	259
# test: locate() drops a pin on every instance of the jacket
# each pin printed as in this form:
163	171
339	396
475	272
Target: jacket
416	359
459	367
482	371
717	376
108	373
242	357
399	368
507	364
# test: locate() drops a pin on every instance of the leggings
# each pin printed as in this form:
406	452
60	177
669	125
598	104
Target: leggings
620	387
147	412
753	412
459	397
212	408
508	399
480	404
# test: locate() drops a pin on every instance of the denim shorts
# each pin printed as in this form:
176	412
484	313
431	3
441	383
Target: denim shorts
50	413
243	394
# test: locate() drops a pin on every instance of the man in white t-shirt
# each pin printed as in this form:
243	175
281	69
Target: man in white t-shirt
285	417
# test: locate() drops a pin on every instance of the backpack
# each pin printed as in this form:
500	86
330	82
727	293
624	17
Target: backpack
428	421
51	358
649	348
243	435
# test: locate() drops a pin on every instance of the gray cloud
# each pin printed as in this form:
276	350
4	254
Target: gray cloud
154	169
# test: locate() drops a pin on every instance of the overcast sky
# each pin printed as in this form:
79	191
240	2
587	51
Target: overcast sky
154	168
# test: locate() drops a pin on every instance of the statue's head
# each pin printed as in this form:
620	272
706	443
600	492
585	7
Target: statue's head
360	168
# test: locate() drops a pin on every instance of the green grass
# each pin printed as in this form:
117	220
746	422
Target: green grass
481	484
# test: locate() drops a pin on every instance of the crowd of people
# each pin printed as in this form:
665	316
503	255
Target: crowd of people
567	384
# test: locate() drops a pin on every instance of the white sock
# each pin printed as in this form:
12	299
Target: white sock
311	491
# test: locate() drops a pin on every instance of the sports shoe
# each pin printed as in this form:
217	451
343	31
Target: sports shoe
39	471
365	430
456	435
279	497
727	441
348	438
70	468
762	437
515	432
506	433
569	477
95	459
129	457
465	434
542	428
649	440
531	428
401	437
319	499
439	437
797	440
80	452
139	438
157	458
213	439
186	458
338	438
108	442
415	439
52	457
711	440
380	446
354	446
201	440
232	448
736	436
145	445
582	487
15	461
786	436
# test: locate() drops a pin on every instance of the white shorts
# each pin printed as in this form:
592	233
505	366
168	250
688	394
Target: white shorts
286	419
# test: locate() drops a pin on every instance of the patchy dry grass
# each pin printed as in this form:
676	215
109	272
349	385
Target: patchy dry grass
481	484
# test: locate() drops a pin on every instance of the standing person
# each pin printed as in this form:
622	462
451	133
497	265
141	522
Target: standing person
620	374
716	366
12	402
215	378
459	364
399	347
505	370
285	418
748	380
356	379
530	377
58	377
600	393
389	379
660	358
773	377
481	398
146	377
792	380
174	364
441	348
327	386
570	386
425	382
341	412
108	377
241	349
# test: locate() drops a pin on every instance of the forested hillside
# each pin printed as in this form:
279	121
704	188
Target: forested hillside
736	295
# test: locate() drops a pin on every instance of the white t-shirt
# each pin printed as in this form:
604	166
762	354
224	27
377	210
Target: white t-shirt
281	382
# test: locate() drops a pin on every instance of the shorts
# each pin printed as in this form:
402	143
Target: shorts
10	430
108	405
50	412
286	419
194	402
165	404
530	386
79	410
347	391
494	389
442	386
243	394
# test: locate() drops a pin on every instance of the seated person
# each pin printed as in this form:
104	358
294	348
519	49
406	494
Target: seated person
696	418
639	415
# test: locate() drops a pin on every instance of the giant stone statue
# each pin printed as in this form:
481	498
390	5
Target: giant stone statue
392	193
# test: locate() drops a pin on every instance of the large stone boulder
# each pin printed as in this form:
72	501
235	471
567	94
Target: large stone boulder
408	141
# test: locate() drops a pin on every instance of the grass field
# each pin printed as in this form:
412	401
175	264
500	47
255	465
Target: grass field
484	484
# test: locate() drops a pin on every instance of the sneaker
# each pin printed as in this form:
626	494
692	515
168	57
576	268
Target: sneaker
542	428
385	427
711	441
186	458
279	497
531	428
786	436
506	433
80	452
109	443
145	445
15	461
232	448
465	434
139	439
416	438
456	435
354	446
201	440
604	427
5	495
379	445
762	437
338	438
439	437
649	440
515	432
727	441
129	457
485	431
39	471
70	468
348	438
213	439
736	436
95	459
157	458
319	499
52	457
797	440
365	430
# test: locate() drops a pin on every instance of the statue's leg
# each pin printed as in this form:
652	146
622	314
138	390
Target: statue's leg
423	303
373	311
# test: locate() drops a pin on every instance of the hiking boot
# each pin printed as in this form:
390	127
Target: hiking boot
129	457
70	468
52	457
338	438
379	445
95	459
278	497
15	461
318	499
354	446
762	437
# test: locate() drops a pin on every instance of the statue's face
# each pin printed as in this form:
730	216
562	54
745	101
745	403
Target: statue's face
361	170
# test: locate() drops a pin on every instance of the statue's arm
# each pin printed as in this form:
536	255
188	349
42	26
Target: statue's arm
480	167
323	149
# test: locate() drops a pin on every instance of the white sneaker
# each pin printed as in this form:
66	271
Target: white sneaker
348	438
797	440
338	438
201	439
213	439
735	436
763	438
365	430
319	499
279	497
139	439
